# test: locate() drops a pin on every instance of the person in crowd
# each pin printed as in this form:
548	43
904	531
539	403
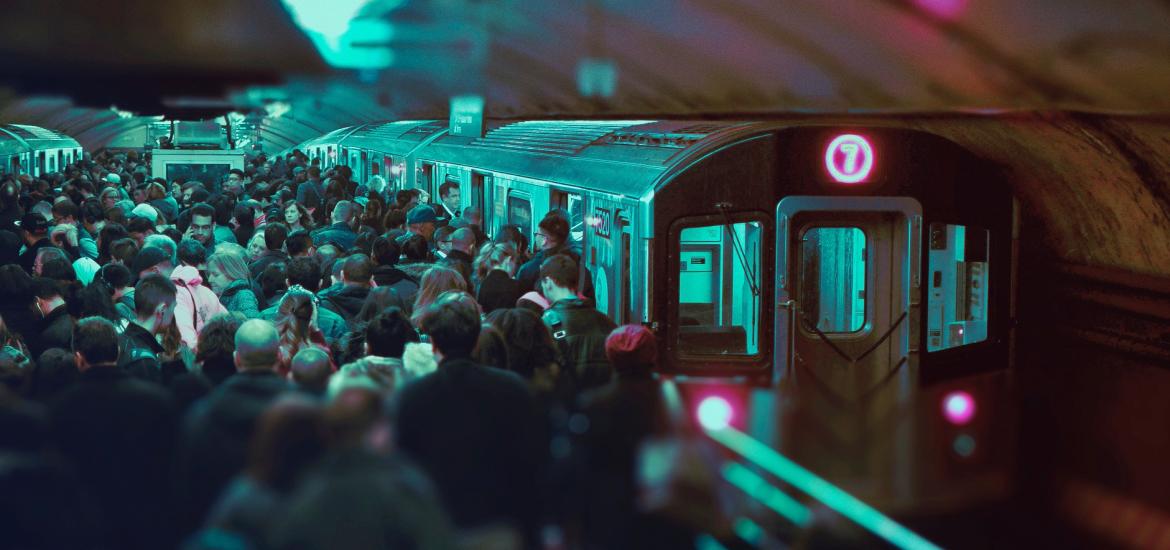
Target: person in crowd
16	301
196	304
109	234
470	426
167	244
290	438
449	198
122	452
306	274
116	281
151	260
224	206
299	244
255	247
441	239
341	233
356	273
552	239
139	228
296	218
34	230
296	323
203	227
272	282
311	192
66	213
123	251
157	197
191	253
622	415
462	249
383	501
215	351
436	281
394	220
532	353
493	268
385	339
385	253
491	350
421	220
230	278
218	430
310	370
415	250
579	329
274	236
154	308
474	217
56	327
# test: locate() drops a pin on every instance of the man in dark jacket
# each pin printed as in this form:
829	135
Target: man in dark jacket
578	328
274	235
34	230
471	427
56	328
154	310
117	432
341	233
385	256
217	432
355	280
552	237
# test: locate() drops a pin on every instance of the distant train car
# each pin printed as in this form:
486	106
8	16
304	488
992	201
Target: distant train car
34	150
761	250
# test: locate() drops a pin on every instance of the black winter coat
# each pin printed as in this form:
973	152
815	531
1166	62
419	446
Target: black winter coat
56	331
472	428
580	332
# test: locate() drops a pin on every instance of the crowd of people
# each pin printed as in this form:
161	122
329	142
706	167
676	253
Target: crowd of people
292	359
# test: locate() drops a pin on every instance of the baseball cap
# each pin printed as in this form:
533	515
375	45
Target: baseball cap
34	223
149	257
421	214
631	346
113	178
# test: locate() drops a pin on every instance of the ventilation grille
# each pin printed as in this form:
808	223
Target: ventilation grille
553	137
403	129
33	132
678	139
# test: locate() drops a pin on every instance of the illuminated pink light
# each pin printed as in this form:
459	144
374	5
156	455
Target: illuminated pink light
849	158
946	9
959	407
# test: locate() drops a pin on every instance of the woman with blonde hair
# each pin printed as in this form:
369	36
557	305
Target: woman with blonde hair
495	287
435	282
296	324
230	278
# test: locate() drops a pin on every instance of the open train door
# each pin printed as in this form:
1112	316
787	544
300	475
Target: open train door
847	291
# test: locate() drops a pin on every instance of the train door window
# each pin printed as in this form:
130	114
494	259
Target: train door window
477	186
832	278
520	214
626	276
428	173
957	284
719	292
574	206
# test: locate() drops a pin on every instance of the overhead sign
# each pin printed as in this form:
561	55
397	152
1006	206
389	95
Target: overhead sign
849	158
467	116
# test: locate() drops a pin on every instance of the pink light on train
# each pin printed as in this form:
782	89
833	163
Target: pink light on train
849	158
959	407
945	9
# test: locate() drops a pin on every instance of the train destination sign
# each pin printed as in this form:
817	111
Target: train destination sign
849	158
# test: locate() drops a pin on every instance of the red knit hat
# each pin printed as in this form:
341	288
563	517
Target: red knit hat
631	347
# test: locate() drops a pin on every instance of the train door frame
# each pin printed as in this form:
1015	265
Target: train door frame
427	173
905	237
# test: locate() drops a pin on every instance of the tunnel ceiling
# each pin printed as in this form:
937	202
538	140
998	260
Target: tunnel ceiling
201	58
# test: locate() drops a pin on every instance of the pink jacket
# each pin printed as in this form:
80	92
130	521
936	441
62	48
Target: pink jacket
195	304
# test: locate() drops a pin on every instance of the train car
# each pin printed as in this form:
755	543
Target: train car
764	251
35	151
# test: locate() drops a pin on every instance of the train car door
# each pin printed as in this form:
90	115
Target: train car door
848	271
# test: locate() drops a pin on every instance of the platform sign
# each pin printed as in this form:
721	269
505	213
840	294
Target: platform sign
467	116
849	158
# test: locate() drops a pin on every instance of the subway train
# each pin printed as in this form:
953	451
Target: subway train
860	255
34	150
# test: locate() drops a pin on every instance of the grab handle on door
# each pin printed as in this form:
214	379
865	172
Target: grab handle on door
790	345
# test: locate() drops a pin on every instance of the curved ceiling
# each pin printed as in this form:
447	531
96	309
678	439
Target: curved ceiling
202	58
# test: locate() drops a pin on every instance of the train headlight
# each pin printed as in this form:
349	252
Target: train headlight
715	413
958	407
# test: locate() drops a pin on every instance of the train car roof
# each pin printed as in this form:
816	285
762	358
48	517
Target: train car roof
396	138
35	137
621	157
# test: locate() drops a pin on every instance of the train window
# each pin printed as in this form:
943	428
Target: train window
719	294
428	171
957	300
520	214
832	278
574	206
210	174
